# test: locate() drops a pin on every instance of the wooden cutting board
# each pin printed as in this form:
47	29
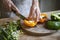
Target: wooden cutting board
39	29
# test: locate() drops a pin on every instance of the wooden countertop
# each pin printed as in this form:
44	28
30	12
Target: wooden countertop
54	36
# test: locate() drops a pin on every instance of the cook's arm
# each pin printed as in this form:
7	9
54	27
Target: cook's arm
16	11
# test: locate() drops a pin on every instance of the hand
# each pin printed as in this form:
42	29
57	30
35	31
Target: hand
34	11
9	6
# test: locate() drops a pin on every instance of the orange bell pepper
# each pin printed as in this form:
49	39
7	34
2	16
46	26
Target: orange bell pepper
29	23
43	17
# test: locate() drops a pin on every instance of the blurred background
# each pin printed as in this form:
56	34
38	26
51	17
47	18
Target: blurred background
24	7
50	5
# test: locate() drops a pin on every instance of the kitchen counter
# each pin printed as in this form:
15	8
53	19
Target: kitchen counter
54	36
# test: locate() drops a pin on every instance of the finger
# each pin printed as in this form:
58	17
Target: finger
37	15
15	9
30	14
7	5
33	15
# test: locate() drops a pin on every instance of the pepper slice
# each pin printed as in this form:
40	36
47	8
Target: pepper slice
43	17
29	23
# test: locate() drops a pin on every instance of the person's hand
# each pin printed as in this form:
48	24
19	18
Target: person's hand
34	11
9	6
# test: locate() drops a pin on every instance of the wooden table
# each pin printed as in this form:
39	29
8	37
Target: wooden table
54	36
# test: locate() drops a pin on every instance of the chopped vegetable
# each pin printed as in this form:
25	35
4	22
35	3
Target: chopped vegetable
10	32
55	16
29	23
43	17
54	25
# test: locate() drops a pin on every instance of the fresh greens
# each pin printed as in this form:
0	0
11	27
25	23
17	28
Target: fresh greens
10	32
55	16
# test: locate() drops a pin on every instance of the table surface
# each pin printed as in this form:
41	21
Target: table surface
54	36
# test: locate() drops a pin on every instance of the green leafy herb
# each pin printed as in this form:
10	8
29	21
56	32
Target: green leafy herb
10	32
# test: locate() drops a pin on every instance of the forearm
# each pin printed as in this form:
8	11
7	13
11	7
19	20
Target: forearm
16	11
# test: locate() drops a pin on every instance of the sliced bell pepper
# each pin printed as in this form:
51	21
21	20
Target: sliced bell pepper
29	23
43	17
